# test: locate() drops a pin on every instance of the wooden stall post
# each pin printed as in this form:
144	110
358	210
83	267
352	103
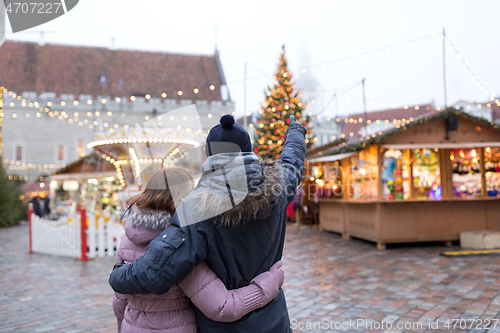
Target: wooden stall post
442	176
482	170
83	233
446	172
409	153
380	163
344	168
345	171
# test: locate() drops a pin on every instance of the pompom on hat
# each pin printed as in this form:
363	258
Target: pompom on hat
227	137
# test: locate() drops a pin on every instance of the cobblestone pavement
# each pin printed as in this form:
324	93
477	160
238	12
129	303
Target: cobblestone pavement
328	281
328	278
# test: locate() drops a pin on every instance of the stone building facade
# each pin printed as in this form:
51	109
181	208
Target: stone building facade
53	111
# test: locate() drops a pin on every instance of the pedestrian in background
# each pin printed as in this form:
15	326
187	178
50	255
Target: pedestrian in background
36	202
46	204
298	200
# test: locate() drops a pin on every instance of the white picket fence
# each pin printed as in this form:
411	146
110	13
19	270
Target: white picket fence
103	235
63	237
60	237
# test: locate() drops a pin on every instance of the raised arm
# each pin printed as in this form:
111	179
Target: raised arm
292	157
210	296
169	258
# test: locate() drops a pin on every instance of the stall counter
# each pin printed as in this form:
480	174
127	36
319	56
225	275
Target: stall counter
402	221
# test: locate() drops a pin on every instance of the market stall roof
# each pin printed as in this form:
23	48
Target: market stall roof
330	158
319	149
390	114
441	145
361	143
89	163
82	175
33	187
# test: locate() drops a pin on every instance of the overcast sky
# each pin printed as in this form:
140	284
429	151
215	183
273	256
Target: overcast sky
313	32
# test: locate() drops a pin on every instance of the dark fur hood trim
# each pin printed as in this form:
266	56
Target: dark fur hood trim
150	218
256	204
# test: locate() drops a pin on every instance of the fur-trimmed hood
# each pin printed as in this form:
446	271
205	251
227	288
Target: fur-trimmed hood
149	218
237	189
143	225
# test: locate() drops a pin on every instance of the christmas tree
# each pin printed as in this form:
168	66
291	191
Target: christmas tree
11	209
274	116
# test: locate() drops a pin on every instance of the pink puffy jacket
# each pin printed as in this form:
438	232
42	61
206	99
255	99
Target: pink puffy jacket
172	312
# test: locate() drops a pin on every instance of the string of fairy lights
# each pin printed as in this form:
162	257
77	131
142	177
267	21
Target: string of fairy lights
468	70
79	118
54	110
59	109
18	165
396	122
26	178
83	118
366	55
343	60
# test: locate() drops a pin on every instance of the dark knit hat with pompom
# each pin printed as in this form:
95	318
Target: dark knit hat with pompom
227	137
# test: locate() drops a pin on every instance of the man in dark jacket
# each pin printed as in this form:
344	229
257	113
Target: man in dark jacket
37	205
238	230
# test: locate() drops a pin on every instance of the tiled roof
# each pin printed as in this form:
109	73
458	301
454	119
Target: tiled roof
496	112
77	70
390	114
241	120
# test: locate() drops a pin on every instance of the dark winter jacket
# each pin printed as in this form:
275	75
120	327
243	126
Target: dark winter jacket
245	238
36	207
172	312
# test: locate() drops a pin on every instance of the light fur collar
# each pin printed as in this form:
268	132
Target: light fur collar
263	187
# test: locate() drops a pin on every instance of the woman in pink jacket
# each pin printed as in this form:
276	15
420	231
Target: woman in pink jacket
148	214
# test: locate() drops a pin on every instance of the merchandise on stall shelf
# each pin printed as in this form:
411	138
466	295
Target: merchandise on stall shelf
362	176
466	176
327	177
102	195
391	188
426	173
435	192
492	168
399	180
493	183
395	175
327	193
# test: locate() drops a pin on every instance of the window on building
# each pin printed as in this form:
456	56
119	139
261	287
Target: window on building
60	153
81	149
19	153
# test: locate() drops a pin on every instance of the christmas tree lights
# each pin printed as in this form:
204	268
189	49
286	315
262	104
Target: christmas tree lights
282	101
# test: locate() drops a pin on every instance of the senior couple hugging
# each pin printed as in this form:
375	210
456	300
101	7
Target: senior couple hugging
206	258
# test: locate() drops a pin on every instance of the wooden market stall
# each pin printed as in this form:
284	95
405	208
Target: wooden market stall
427	179
92	181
